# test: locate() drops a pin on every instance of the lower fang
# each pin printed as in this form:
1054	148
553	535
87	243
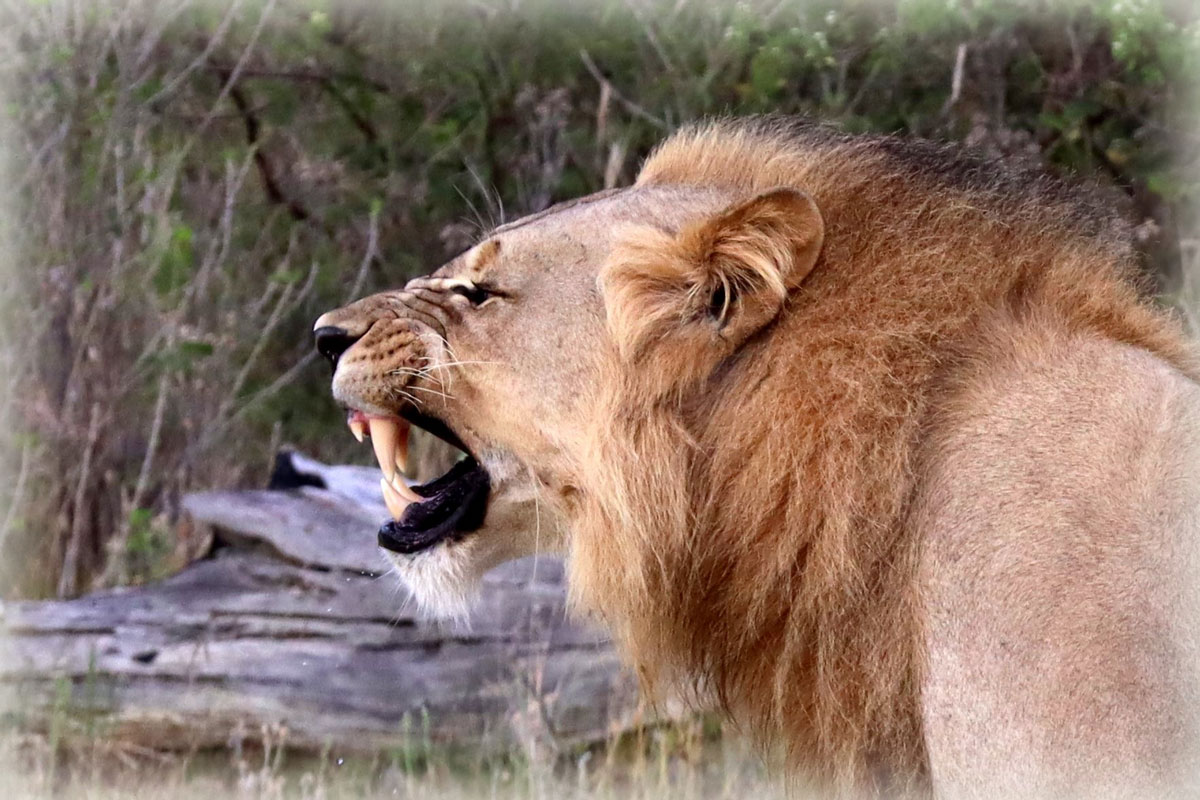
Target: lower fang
392	499
397	485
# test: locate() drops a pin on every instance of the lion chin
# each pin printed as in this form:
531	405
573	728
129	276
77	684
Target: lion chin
874	442
438	554
444	580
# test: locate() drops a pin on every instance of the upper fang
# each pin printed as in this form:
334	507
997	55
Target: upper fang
385	435
402	448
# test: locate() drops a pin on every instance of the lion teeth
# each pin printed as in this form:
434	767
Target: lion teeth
392	499
358	428
398	492
389	439
385	436
401	451
406	491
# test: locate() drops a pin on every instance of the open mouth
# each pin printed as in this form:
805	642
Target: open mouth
444	509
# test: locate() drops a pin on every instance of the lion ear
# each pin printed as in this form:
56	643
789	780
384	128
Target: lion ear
748	257
716	282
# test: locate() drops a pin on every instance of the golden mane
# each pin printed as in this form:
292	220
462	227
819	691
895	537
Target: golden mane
742	521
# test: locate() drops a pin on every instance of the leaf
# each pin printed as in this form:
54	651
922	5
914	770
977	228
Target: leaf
192	350
175	266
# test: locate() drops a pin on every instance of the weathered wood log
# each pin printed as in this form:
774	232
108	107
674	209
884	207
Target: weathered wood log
293	621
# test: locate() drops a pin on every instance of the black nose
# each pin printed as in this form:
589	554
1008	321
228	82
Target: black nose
332	341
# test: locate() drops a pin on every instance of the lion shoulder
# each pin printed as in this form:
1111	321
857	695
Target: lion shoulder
1059	515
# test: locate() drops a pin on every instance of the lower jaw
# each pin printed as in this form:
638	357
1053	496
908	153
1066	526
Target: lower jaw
441	511
454	505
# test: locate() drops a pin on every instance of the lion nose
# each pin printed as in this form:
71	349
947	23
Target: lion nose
332	341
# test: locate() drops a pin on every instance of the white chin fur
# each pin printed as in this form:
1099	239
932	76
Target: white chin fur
444	580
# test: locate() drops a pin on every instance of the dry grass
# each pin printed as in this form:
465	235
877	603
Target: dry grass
692	761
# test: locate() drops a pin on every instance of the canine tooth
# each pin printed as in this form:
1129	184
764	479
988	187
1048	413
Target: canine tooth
404	490
402	447
384	436
358	428
394	502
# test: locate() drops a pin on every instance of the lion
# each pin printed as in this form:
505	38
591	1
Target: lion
876	443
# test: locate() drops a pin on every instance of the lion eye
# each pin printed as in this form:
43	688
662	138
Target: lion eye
475	293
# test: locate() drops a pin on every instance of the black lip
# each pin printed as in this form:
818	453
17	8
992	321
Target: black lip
435	426
456	504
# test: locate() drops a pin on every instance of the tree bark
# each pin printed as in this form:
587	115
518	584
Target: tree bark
292	625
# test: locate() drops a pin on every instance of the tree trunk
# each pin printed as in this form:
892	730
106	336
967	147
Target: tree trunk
293	626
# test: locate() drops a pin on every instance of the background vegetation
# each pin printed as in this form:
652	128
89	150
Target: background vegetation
193	182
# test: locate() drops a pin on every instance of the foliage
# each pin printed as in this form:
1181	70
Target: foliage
195	184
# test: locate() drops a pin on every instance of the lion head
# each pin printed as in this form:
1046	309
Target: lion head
499	353
708	389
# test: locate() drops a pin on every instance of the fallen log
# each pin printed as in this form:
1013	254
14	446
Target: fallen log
293	626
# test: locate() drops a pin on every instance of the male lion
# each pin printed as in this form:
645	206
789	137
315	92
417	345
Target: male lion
872	441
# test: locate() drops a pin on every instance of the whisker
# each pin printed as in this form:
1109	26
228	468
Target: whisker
409	397
453	357
537	523
431	391
445	364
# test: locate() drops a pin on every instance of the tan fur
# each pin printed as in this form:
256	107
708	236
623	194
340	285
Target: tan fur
736	432
1059	569
479	257
778	493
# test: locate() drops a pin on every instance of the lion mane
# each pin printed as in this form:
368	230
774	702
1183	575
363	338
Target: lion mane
747	527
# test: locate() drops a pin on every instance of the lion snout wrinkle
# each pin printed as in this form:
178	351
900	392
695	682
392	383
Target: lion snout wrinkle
388	347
